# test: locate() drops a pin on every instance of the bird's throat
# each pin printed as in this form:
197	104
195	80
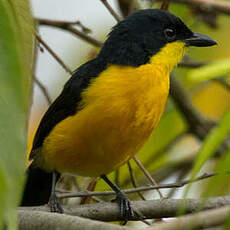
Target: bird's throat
170	55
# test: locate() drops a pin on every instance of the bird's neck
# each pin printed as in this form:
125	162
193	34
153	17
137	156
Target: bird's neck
170	55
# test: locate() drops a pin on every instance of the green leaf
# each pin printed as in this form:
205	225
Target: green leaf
213	140
210	71
227	224
16	66
217	184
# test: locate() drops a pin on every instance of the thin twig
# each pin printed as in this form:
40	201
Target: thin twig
66	23
98	200
132	178
144	188
67	27
165	6
128	7
44	90
164	172
135	186
181	176
56	57
83	27
147	174
91	187
111	10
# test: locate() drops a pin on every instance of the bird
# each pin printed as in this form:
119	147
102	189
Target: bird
110	106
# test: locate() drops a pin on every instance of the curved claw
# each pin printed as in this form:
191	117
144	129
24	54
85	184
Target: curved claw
54	204
126	211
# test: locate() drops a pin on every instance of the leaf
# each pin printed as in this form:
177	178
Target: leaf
217	185
227	224
211	143
16	66
210	71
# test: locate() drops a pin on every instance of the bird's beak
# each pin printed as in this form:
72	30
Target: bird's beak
199	40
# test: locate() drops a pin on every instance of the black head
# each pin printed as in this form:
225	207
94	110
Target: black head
142	34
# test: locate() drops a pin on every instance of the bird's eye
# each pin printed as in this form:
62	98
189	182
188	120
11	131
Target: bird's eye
170	34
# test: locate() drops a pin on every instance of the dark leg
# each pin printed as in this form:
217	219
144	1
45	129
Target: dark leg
53	200
126	212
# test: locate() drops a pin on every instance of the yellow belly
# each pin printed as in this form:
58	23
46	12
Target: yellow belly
119	111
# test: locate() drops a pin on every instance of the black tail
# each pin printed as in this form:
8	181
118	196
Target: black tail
38	187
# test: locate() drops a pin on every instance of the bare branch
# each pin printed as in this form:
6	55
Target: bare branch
150	209
132	178
147	174
56	57
181	176
128	6
68	27
144	188
195	221
111	10
198	124
44	90
165	5
38	220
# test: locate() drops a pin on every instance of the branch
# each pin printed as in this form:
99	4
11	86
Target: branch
209	5
38	220
44	90
181	175
133	190
58	59
128	6
67	26
133	181
111	10
150	209
198	124
195	221
165	5
147	175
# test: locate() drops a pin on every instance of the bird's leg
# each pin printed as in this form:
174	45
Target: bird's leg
126	211
53	200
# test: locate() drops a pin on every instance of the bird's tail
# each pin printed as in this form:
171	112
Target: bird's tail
38	187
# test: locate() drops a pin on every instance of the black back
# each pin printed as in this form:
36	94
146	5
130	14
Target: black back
66	104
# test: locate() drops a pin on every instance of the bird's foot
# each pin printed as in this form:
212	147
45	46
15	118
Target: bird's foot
54	204
126	211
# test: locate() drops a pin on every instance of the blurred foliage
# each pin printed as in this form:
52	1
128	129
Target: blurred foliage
212	98
210	71
210	146
16	58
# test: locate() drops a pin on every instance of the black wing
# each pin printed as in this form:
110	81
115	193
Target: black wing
66	104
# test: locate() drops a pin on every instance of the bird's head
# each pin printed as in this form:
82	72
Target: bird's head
150	35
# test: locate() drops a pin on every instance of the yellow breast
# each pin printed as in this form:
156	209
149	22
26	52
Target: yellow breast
119	111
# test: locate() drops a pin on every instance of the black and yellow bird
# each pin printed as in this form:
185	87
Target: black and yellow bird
110	105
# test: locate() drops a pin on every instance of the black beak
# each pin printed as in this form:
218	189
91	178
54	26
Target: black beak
199	40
